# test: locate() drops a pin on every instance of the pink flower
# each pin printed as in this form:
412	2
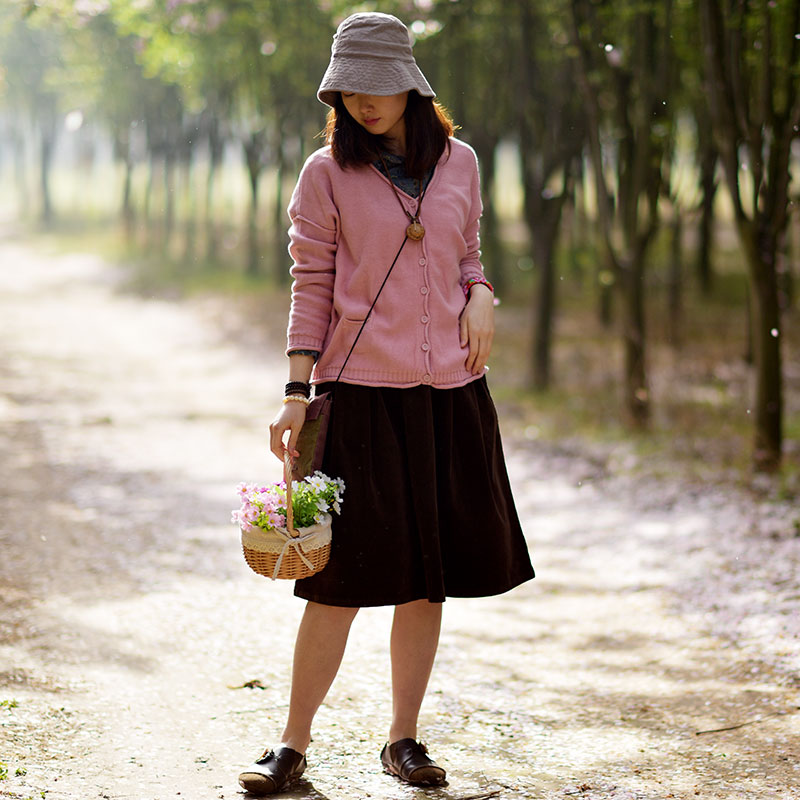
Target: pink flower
276	520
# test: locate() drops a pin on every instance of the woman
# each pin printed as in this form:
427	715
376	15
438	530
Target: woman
413	433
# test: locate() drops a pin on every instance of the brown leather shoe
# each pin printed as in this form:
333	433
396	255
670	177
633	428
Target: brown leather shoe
408	760
273	772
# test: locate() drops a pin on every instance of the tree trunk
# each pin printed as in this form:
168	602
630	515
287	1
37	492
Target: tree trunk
253	150
675	286
216	146
279	237
783	268
127	206
169	198
766	337
544	306
122	152
253	258
46	160
491	247
20	172
148	190
543	220
747	355
708	183
637	398
741	118
190	228
606	278
633	210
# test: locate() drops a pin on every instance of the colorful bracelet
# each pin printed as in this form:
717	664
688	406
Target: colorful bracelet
474	282
296	398
298	387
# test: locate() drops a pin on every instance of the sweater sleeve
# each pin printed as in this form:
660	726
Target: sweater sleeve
470	264
312	244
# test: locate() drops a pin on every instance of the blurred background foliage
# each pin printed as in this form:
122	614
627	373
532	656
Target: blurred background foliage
637	157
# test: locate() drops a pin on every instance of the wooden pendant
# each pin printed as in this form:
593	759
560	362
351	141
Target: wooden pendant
415	230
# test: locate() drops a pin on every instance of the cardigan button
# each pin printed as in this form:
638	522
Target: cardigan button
422	262
426	346
426	378
423	290
424	319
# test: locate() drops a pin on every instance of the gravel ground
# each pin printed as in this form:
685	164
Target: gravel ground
662	612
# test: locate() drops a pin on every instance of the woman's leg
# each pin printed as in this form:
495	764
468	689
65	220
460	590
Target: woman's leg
318	652
415	639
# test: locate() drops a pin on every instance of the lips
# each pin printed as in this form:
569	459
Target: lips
372	121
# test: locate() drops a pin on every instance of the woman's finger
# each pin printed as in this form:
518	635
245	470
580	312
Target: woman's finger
469	340
291	418
291	444
276	439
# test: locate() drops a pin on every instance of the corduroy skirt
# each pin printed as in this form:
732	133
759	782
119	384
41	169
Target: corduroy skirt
428	510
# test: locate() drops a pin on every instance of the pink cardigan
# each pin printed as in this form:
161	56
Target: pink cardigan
346	228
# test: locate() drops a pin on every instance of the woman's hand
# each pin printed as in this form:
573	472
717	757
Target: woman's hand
477	327
292	415
290	418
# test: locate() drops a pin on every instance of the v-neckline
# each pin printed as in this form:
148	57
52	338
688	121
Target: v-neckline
406	194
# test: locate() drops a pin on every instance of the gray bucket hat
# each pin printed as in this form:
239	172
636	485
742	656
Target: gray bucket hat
371	54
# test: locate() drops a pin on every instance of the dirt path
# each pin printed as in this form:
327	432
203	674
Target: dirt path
127	613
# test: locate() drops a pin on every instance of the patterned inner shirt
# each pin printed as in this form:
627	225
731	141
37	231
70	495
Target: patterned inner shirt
398	175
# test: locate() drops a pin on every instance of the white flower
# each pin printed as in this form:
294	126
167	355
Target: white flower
316	481
336	507
322	504
318	518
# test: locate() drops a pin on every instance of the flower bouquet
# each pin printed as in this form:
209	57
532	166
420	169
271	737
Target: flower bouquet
286	526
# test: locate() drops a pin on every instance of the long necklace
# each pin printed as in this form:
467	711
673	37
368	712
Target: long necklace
415	230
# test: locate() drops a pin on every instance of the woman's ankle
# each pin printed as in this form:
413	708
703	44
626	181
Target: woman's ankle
298	743
396	733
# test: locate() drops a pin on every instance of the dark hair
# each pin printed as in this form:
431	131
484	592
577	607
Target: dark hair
428	128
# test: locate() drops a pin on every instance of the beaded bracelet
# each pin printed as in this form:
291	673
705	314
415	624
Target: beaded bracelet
298	387
297	398
474	282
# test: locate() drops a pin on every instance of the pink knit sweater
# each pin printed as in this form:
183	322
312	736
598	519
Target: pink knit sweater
346	228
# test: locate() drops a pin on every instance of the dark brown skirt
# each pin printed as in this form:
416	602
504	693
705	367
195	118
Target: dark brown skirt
428	510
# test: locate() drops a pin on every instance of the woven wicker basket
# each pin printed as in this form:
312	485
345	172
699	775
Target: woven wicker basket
284	554
290	553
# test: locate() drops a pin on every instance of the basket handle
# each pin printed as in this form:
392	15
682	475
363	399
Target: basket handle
288	464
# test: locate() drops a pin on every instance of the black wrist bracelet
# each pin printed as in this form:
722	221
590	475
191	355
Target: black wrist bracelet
298	387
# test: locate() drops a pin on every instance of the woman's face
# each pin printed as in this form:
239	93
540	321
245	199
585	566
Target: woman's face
379	114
